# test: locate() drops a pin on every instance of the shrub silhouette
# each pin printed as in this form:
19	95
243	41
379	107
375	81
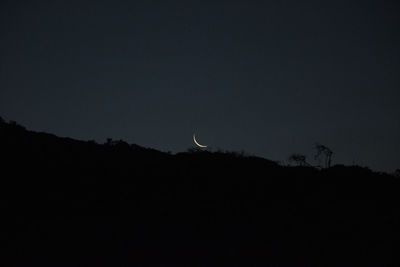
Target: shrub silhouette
299	159
109	142
15	125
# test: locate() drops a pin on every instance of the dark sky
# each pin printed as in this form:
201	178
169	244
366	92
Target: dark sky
268	77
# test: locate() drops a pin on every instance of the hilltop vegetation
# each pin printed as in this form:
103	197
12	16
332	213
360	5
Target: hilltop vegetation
85	201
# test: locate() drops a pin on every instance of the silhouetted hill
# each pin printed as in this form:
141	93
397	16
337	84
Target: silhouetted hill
64	200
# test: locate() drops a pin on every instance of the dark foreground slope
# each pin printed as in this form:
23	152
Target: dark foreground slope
64	200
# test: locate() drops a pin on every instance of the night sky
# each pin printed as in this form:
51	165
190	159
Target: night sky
270	78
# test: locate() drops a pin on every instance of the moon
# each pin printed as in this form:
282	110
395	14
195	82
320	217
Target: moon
195	141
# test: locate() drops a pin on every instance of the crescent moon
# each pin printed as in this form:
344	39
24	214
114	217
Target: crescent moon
195	141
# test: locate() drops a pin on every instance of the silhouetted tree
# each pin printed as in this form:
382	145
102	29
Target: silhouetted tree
397	173
299	159
2	120
324	153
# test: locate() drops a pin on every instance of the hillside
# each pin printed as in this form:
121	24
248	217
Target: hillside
77	201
